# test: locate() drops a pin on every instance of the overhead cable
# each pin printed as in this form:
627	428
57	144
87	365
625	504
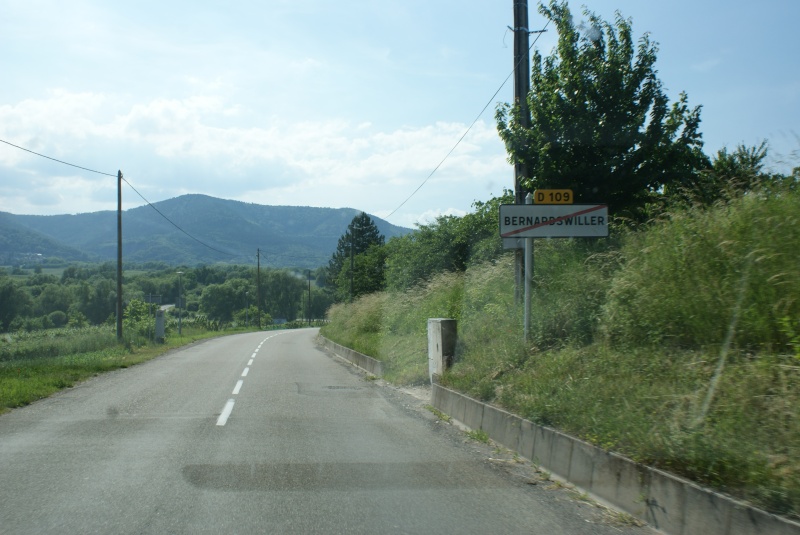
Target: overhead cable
539	32
59	161
129	185
173	223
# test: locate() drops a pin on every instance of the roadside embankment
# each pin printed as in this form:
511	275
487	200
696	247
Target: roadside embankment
676	345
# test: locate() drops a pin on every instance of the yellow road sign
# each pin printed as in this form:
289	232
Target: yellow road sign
553	196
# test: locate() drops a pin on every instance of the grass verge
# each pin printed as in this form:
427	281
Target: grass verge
35	373
678	345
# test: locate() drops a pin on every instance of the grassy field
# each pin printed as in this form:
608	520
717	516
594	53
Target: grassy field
678	346
35	365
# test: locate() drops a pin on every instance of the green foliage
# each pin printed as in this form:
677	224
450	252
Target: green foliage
439	414
138	321
249	316
601	123
479	435
13	302
57	318
55	343
219	301
682	278
791	330
37	364
729	176
361	246
448	244
627	334
282	293
85	294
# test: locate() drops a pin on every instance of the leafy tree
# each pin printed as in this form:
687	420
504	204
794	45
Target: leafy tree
57	318
249	316
730	174
220	301
320	303
137	319
52	298
75	318
448	244
361	234
14	302
281	293
601	124
73	274
368	273
96	299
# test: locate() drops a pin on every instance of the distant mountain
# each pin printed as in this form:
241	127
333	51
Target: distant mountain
230	232
21	244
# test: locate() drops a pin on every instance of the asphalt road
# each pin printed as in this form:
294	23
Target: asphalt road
260	433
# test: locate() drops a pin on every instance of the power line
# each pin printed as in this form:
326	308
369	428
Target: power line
59	161
173	223
540	32
129	185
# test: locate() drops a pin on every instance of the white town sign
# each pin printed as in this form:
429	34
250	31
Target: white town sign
553	221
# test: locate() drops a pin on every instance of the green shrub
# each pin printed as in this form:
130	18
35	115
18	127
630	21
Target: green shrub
627	345
22	345
682	279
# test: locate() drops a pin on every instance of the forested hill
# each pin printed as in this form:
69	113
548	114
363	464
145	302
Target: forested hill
230	232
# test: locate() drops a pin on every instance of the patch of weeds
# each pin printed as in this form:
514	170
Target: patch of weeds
581	496
478	434
621	519
439	414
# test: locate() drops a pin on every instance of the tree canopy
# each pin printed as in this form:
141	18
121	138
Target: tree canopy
601	123
361	245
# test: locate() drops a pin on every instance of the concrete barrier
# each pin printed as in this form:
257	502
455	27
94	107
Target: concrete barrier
669	503
368	364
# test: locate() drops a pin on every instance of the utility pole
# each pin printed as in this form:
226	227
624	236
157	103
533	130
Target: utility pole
309	297
119	256
352	239
522	86
180	301
528	277
355	226
258	286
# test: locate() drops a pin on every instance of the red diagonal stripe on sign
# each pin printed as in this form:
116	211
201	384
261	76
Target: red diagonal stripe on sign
553	221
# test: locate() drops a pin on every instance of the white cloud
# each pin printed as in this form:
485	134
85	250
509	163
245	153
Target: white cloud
171	146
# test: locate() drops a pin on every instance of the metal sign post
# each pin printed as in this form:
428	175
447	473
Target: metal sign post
528	275
520	224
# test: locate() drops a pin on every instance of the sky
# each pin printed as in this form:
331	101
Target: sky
346	103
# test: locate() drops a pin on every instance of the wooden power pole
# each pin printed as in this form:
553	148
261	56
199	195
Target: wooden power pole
522	86
258	286
119	256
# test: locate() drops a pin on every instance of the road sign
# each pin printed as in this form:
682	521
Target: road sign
553	196
553	221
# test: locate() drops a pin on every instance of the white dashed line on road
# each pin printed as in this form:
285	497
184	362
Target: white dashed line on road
226	412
